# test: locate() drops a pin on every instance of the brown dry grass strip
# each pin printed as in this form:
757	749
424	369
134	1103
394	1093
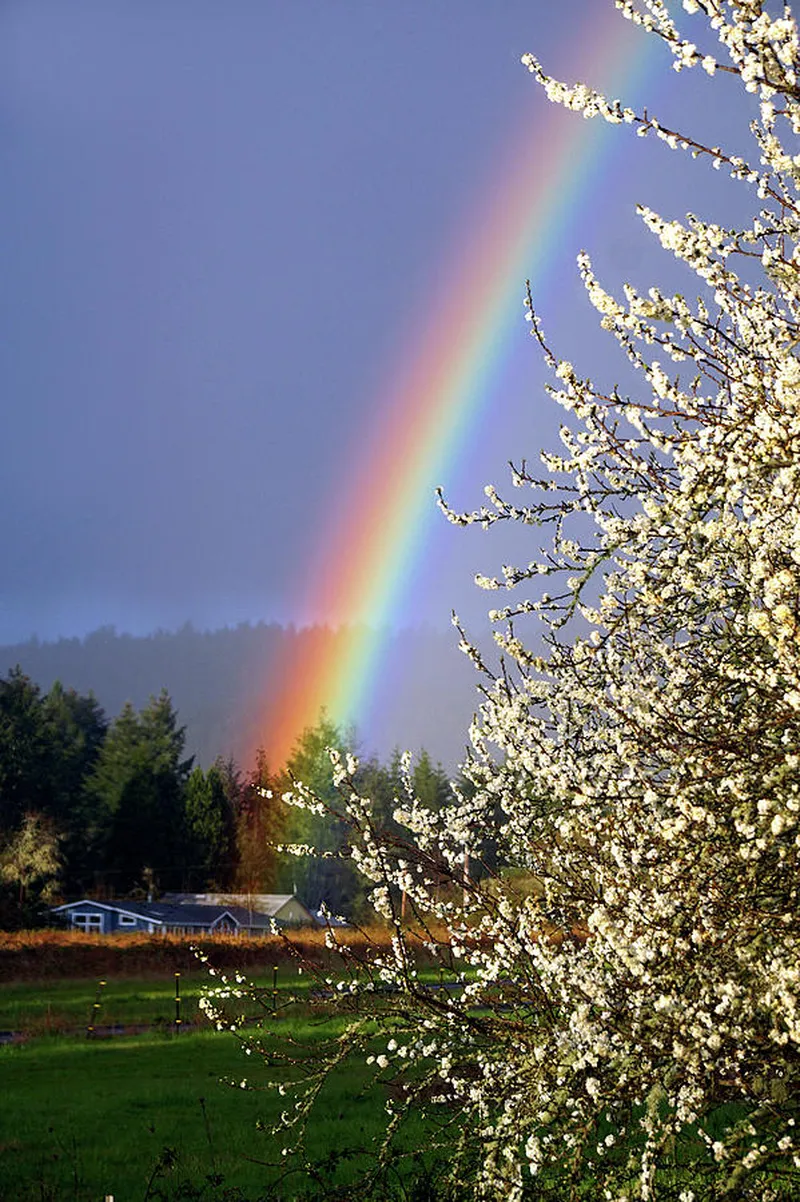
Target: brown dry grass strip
48	954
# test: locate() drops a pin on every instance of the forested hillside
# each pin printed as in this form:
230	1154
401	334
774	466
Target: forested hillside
220	682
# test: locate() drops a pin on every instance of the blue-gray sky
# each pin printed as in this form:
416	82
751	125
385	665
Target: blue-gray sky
216	220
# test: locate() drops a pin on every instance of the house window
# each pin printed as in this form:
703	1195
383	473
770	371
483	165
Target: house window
88	922
127	920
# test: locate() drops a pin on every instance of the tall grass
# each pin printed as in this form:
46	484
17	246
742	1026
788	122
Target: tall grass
46	954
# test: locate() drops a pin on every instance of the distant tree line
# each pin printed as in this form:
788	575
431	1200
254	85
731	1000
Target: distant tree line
116	808
217	681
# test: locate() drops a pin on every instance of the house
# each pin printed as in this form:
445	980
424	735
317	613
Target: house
109	918
285	908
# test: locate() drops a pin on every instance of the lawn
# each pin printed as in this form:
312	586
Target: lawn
60	1006
162	1115
91	1117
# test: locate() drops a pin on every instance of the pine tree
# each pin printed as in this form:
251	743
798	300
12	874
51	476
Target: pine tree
138	790
26	768
258	816
210	828
321	875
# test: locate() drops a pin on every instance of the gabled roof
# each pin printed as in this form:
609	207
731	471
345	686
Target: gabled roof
170	915
149	910
262	903
202	915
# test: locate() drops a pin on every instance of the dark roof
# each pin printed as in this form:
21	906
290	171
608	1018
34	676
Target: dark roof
261	903
178	916
197	915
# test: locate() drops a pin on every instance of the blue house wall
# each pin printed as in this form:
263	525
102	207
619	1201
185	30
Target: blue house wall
112	919
108	918
139	923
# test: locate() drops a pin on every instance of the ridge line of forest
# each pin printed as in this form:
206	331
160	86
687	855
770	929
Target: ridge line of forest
219	681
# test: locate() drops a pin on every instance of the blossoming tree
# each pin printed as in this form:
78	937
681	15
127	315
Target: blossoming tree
619	1008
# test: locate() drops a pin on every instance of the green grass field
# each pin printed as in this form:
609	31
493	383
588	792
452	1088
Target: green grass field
61	1006
85	1118
162	1115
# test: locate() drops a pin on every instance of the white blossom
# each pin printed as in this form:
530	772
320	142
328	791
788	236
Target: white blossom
622	932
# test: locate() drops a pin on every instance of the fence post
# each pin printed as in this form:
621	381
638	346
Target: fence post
177	1003
91	1026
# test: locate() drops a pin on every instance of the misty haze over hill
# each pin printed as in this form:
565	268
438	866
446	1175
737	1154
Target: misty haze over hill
219	682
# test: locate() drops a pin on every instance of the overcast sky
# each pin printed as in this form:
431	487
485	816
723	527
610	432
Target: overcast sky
218	219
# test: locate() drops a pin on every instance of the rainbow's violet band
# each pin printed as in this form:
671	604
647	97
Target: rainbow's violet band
435	402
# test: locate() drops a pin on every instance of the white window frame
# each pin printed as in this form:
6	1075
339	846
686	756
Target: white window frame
127	920
88	922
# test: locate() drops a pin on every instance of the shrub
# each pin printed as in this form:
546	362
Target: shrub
630	1028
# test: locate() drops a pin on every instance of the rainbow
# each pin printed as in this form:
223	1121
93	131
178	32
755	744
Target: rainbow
436	401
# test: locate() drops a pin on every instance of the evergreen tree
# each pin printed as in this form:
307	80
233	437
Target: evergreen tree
162	735
259	818
48	747
138	787
430	782
390	788
324	874
75	729
26	754
210	828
